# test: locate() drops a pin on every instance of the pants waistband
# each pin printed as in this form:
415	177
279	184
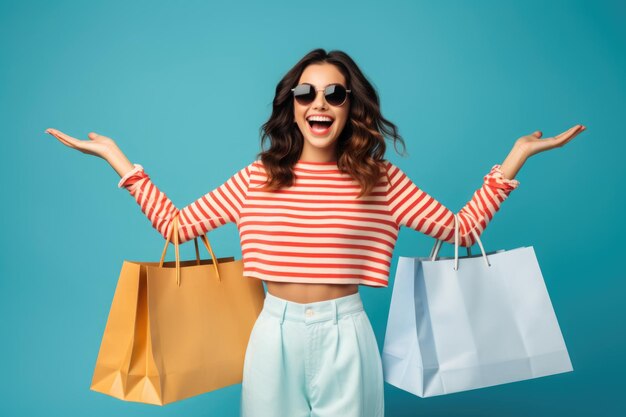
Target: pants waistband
315	312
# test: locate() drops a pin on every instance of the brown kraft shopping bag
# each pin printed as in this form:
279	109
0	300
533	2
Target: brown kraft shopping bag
177	329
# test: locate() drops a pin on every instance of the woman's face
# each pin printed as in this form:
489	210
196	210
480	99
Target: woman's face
319	145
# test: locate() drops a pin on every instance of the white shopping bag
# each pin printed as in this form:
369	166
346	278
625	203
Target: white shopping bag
457	324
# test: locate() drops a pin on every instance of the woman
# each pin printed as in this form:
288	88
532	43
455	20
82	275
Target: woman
318	215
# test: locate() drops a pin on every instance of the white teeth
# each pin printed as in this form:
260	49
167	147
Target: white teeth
320	118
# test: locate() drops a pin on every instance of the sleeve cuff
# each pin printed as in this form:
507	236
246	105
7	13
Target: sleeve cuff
136	172
496	179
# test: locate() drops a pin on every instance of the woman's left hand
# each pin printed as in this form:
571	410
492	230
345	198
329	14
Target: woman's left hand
533	144
529	145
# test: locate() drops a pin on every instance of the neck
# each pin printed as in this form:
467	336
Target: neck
317	157
315	161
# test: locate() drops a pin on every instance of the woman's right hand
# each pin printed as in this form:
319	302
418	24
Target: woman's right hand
98	145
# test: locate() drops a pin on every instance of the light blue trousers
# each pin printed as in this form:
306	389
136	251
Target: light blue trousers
312	360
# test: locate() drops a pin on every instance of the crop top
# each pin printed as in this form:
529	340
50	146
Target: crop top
317	231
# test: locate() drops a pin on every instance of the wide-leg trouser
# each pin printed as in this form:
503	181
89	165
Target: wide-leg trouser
317	359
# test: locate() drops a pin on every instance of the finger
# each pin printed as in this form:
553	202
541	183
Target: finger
51	132
568	135
96	136
573	136
571	131
66	138
537	133
563	138
66	143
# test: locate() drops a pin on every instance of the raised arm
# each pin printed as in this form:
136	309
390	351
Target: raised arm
412	207
216	208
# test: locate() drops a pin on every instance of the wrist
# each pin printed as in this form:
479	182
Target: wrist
521	151
514	161
118	161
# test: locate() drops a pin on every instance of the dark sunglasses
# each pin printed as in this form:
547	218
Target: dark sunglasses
335	94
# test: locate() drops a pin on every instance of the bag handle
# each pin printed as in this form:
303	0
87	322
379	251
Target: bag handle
195	244
205	240
435	250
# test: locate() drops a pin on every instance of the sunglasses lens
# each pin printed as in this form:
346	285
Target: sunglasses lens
304	94
335	94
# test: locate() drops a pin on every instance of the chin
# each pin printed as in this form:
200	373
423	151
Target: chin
321	142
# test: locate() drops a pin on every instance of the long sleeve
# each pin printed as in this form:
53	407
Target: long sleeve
214	209
412	207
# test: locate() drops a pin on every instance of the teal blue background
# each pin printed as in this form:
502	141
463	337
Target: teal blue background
184	88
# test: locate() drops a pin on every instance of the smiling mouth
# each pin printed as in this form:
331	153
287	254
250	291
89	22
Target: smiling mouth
319	128
316	125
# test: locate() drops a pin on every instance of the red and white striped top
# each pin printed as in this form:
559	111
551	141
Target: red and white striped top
317	231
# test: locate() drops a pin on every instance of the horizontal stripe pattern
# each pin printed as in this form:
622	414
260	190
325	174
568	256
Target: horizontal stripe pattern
216	208
412	207
317	230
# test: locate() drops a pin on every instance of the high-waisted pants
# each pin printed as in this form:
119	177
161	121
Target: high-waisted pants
316	359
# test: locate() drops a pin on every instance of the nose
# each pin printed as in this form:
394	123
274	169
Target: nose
320	100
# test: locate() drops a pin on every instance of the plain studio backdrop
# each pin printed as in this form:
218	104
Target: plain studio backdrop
184	88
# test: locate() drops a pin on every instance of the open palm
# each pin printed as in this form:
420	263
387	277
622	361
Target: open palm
533	143
97	145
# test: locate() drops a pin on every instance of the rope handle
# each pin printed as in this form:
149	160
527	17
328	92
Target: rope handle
435	250
174	233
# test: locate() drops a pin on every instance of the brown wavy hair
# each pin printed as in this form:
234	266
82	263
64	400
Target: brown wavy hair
360	146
